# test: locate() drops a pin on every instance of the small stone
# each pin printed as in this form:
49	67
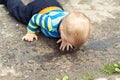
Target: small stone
17	24
101	79
117	79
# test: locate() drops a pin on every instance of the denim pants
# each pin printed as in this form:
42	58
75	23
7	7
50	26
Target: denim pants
22	12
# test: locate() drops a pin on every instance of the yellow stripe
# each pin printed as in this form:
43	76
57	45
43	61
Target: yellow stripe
29	31
49	24
48	9
38	19
43	24
33	19
32	25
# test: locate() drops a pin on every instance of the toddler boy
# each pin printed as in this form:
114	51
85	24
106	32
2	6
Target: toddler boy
49	17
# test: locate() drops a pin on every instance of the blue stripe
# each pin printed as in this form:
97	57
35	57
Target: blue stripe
40	23
58	10
32	22
56	16
31	29
46	22
35	17
45	32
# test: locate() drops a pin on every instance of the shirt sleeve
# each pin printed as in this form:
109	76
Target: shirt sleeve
39	20
34	23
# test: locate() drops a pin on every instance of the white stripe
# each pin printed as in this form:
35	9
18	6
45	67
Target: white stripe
57	20
53	13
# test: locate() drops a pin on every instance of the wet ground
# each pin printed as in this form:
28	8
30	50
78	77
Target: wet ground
42	59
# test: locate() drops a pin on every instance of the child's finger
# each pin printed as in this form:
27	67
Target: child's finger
36	38
23	38
71	46
59	41
68	46
63	48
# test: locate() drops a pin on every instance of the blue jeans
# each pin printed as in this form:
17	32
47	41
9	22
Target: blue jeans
23	13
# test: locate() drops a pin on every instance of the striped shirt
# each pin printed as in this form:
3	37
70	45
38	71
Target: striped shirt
48	23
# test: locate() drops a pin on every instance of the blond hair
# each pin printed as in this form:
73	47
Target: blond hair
77	27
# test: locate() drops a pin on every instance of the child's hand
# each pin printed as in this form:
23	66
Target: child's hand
30	37
64	45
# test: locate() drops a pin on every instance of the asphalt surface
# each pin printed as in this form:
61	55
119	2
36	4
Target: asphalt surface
42	59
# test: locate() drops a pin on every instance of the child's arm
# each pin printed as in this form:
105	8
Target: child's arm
31	28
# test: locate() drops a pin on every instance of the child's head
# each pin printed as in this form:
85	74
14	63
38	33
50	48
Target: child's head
75	28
